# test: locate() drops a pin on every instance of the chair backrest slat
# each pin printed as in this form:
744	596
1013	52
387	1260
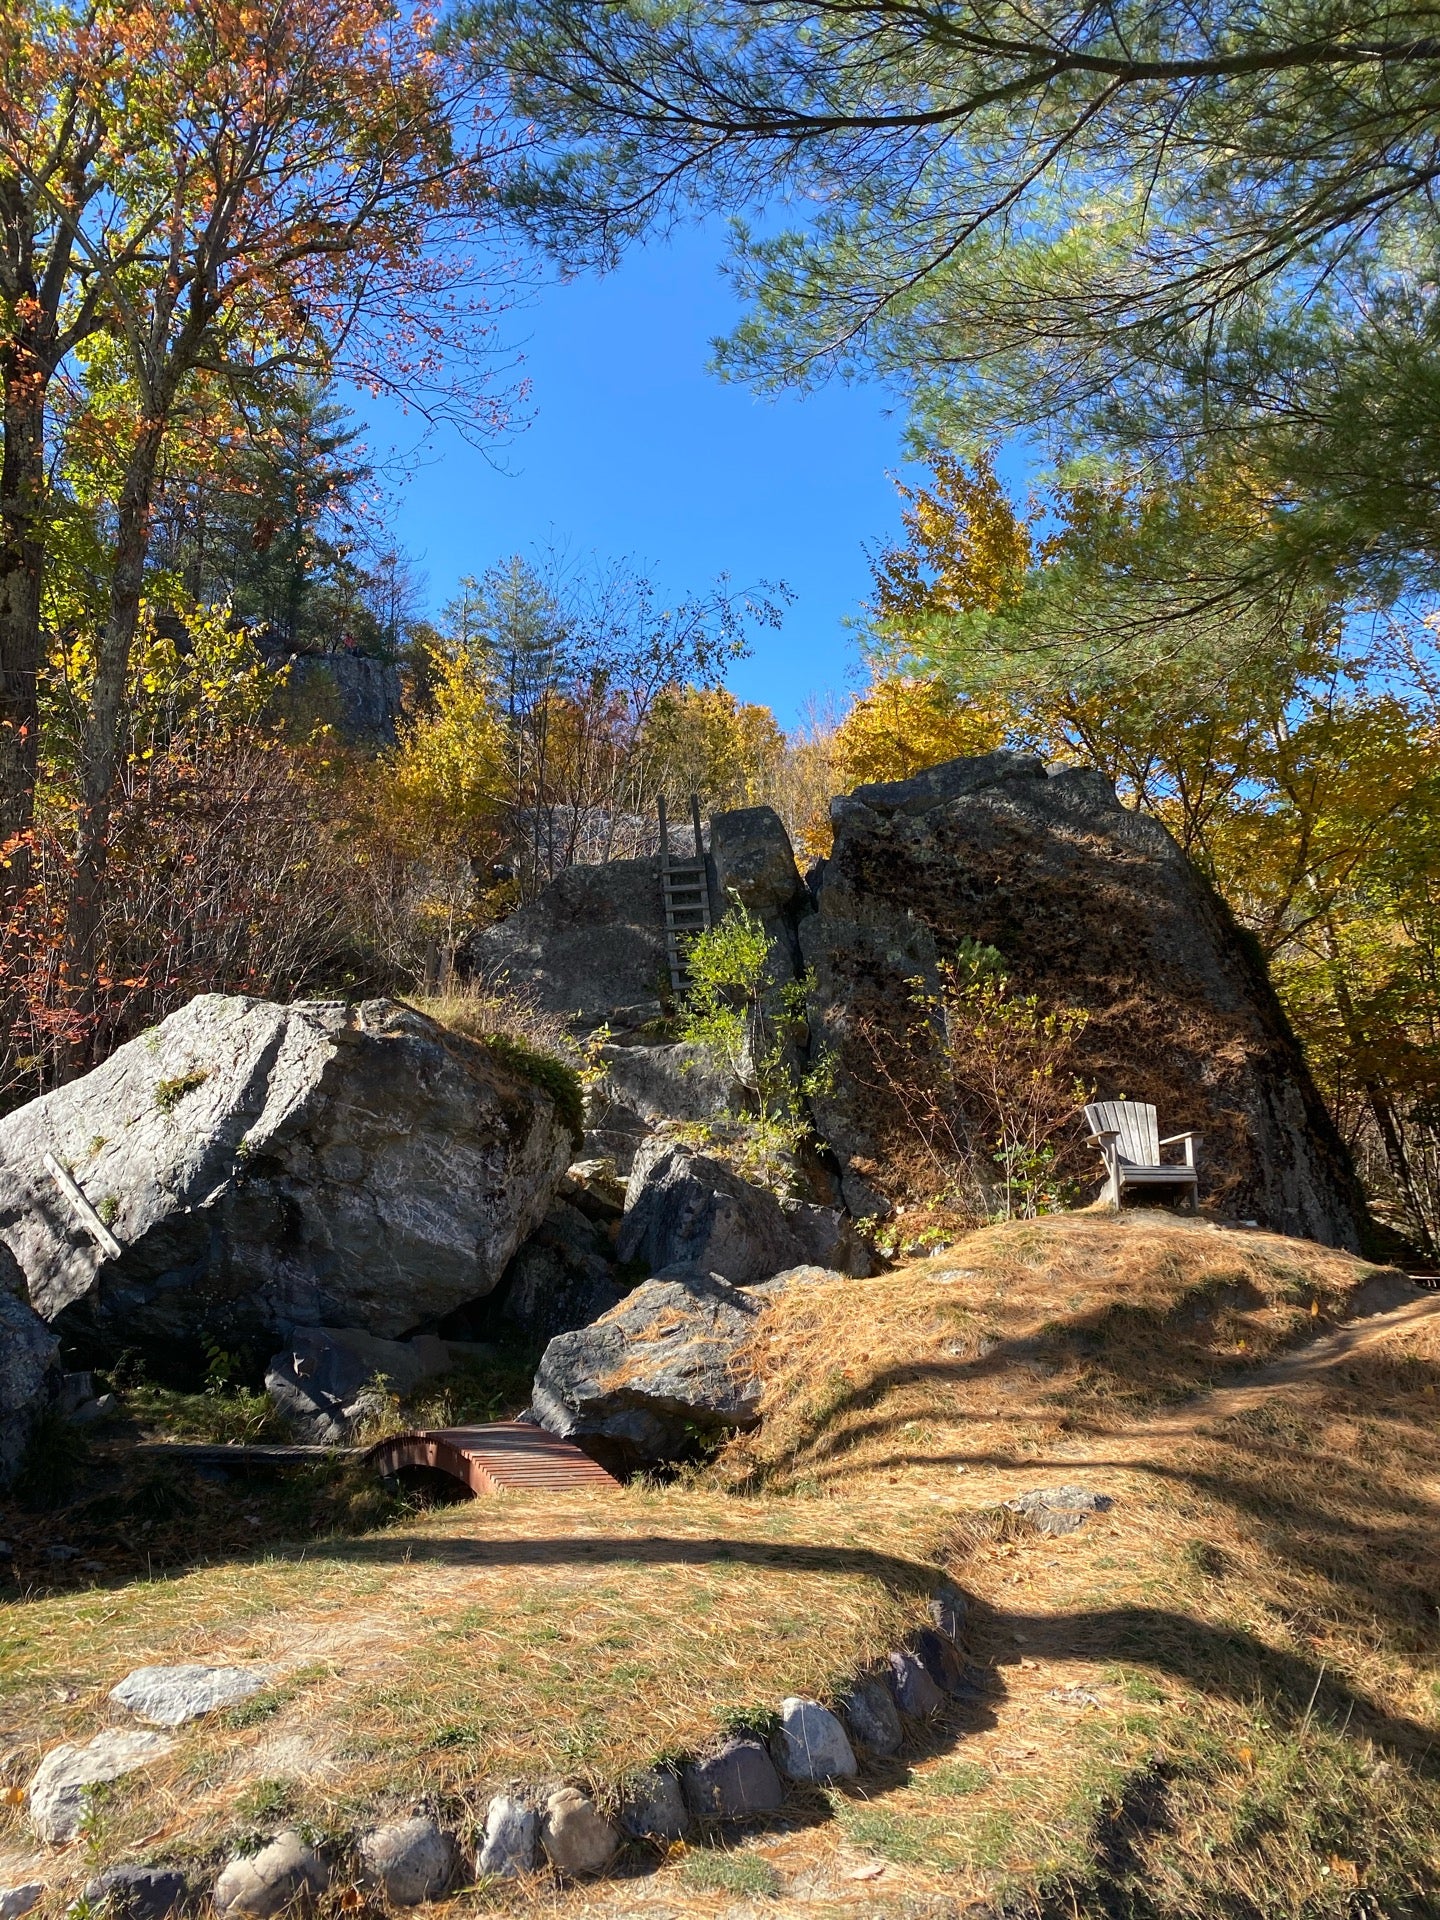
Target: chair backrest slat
1135	1122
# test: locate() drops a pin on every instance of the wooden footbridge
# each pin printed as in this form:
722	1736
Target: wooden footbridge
510	1455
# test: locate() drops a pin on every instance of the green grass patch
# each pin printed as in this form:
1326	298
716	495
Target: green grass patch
738	1872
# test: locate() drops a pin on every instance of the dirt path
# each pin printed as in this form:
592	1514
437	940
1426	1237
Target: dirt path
1223	1403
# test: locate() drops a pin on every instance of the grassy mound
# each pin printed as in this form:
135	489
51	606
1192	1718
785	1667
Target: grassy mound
1023	1333
1218	1697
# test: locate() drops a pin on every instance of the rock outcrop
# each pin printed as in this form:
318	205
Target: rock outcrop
360	698
591	946
684	1208
325	1379
1091	906
29	1370
246	1168
639	1385
563	1277
642	1087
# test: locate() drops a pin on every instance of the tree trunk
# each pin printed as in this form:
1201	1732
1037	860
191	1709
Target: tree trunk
22	553
1377	1095
100	745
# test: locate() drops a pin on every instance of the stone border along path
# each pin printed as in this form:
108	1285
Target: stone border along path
532	1826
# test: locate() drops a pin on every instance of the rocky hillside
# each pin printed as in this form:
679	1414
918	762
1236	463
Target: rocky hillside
1090	906
332	1197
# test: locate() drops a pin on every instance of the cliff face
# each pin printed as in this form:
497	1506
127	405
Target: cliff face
1091	906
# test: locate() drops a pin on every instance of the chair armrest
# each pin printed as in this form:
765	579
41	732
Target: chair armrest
1099	1139
1185	1140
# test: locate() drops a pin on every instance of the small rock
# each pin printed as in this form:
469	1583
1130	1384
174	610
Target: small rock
169	1696
576	1836
1060	1509
936	1653
15	1901
873	1721
508	1849
138	1893
94	1410
57	1792
654	1807
915	1692
738	1781
413	1860
75	1390
1075	1696
595	1187
260	1884
60	1552
811	1744
949	1610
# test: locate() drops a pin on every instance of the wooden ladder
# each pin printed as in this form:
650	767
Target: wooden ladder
685	894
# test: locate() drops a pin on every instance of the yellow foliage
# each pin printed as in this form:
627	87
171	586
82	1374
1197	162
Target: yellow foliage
210	687
449	772
968	549
902	724
702	740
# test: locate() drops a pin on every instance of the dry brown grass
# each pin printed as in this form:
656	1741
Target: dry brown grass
1219	1698
520	1637
1021	1333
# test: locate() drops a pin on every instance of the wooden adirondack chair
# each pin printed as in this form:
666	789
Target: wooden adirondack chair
1127	1133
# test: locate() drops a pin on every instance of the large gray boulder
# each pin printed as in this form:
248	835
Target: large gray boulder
29	1369
752	865
563	1276
590	946
684	1208
247	1167
638	1386
1090	905
640	1088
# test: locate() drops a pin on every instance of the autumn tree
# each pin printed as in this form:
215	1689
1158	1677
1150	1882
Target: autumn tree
702	740
258	189
583	661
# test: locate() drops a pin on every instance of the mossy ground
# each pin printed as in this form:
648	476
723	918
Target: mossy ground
1220	1697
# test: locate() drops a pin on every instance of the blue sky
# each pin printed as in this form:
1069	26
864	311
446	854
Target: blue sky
635	449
